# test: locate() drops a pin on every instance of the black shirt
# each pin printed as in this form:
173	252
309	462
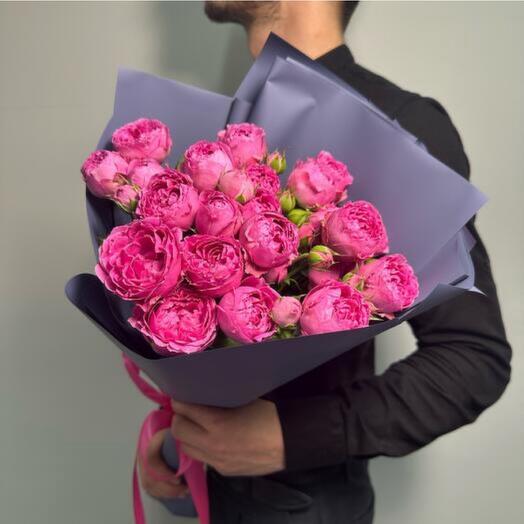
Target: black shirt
462	361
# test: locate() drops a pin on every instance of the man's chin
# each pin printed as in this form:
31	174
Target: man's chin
243	13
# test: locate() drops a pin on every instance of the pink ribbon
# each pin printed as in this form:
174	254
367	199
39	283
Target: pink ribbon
157	420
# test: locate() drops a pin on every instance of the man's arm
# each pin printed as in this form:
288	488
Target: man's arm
461	366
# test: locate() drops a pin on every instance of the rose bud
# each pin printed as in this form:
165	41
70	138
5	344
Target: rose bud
319	276
247	143
181	322
320	257
140	260
287	201
127	198
244	314
270	241
389	283
298	216
142	169
309	232
333	306
277	161
212	265
170	196
237	185
263	201
143	138
205	162
263	177
286	311
217	214
104	172
355	231
319	181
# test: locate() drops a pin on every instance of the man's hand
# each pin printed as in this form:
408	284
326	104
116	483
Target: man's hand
234	441
164	489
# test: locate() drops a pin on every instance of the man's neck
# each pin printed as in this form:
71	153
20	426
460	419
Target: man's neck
312	31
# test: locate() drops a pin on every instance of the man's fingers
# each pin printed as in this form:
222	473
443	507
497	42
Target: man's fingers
163	490
195	453
186	431
204	416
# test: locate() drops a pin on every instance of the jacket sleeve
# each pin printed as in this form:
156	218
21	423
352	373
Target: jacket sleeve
460	367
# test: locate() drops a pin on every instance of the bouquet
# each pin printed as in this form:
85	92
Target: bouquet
223	273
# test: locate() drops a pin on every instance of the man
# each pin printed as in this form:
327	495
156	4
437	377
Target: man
301	454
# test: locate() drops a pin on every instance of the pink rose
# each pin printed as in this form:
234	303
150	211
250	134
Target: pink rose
286	311
244	314
181	322
140	260
104	172
142	169
237	185
247	142
319	181
263	201
170	196
355	231
264	177
217	214
126	197
205	162
333	306
388	282
212	265
319	276
143	138
270	241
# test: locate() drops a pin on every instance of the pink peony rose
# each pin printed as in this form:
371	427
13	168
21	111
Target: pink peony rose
333	306
212	265
355	231
247	142
389	283
140	260
104	172
170	196
217	214
264	177
286	311
270	241
237	185
205	162
143	138
263	201
319	181
244	314
142	169
181	322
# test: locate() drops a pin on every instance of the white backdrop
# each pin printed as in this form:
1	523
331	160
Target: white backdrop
69	415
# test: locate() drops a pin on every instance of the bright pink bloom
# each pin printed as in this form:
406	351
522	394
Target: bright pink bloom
244	314
104	172
143	138
142	169
127	197
140	260
237	185
319	276
170	196
182	322
389	283
333	306
286	311
205	162
262	201
264	177
218	214
247	142
319	181
212	265
270	241
355	231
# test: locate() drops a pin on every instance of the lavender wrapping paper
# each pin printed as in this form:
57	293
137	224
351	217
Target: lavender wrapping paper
304	108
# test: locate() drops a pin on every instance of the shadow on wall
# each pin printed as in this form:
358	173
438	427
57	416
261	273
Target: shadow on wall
195	50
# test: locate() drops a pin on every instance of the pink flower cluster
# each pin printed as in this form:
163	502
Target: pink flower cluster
217	252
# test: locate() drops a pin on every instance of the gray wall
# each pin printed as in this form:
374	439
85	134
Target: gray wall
69	415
